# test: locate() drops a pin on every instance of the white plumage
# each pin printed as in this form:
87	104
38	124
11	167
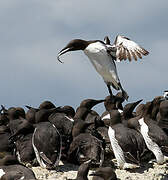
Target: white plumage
102	61
165	95
118	152
150	143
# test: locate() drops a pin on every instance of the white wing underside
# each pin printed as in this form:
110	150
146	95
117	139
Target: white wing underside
123	49
103	62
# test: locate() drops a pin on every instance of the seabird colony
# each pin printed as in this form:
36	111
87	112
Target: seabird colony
123	136
133	134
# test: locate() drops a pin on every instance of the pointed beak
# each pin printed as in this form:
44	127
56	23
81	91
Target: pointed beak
95	102
63	51
137	102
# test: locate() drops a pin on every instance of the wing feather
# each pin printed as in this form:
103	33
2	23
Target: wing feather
138	53
129	55
121	53
127	49
134	55
125	53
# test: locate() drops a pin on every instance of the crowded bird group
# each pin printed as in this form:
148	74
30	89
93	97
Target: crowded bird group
122	137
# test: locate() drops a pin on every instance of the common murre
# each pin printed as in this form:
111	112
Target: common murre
154	136
47	145
86	147
127	144
103	56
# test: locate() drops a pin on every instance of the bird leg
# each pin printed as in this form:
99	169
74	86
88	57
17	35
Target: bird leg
124	93
110	91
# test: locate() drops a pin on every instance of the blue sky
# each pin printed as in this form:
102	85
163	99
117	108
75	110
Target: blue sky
33	32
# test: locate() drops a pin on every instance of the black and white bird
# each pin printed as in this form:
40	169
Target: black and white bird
165	95
103	56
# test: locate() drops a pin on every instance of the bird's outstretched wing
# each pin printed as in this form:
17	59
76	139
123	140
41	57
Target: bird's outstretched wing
123	49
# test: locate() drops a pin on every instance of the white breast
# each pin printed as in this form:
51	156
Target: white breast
107	116
102	62
118	152
165	95
69	118
2	172
149	143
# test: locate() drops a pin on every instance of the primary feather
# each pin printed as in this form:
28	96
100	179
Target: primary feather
124	48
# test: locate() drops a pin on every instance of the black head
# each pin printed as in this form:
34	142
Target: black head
73	45
46	105
115	117
15	113
90	103
140	109
129	108
69	111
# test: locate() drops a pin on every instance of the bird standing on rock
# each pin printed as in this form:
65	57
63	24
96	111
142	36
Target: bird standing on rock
103	56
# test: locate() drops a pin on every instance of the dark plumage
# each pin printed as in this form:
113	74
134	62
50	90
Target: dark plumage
110	104
24	150
15	113
155	138
127	144
46	105
20	127
30	114
5	145
47	145
15	172
83	171
64	121
8	160
86	147
104	173
128	111
162	116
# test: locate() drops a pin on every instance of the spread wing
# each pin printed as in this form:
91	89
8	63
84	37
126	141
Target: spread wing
123	48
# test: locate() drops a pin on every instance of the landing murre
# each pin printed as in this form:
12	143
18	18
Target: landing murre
103	56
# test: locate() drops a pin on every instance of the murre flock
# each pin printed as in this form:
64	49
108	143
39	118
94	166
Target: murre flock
103	56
